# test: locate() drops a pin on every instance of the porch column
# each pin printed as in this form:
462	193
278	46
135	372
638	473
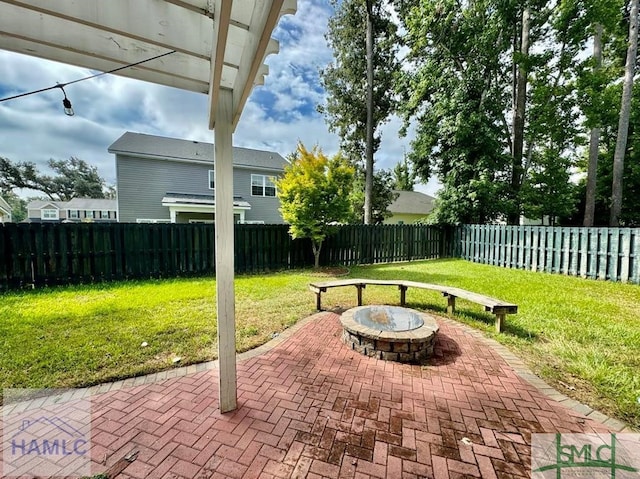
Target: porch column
225	300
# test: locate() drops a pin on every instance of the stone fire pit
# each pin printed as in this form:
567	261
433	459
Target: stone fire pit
391	333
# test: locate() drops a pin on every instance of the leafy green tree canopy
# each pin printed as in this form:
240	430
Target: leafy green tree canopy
73	178
404	176
314	195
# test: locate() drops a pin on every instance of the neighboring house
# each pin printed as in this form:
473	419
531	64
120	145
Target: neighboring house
5	211
544	221
76	210
166	180
409	207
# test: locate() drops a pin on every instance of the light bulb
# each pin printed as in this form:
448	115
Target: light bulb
68	109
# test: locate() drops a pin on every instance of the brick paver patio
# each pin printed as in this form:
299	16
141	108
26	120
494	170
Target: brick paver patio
311	407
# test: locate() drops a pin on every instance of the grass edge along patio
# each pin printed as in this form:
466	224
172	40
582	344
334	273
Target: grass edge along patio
580	335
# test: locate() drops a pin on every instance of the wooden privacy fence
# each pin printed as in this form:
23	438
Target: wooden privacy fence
597	253
54	253
368	244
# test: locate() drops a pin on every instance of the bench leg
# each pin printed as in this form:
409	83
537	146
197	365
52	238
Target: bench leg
500	317
318	307
403	295
451	304
359	294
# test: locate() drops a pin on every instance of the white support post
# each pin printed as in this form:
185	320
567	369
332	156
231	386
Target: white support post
225	301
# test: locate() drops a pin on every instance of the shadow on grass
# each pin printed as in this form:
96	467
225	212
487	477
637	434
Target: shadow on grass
507	327
401	271
486	318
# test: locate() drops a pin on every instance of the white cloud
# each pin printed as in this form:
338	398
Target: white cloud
276	116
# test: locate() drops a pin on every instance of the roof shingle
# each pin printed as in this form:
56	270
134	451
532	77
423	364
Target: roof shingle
138	144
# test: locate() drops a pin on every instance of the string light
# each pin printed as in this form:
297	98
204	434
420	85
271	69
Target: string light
66	103
68	109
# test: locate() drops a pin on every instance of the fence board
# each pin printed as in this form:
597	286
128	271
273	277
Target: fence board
625	255
603	253
613	252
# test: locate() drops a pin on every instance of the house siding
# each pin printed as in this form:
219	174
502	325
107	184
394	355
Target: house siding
143	182
36	214
404	218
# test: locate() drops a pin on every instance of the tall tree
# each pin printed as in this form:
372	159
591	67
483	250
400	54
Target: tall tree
370	126
314	195
359	82
520	78
594	139
74	178
625	110
630	212
580	23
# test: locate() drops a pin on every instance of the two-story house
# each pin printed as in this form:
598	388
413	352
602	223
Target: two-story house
78	209
162	180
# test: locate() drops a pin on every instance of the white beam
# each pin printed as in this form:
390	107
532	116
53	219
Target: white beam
224	246
220	35
142	72
66	36
264	19
164	23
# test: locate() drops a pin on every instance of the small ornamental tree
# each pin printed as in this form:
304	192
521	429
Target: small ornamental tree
314	195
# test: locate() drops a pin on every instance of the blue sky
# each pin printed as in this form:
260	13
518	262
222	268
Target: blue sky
276	117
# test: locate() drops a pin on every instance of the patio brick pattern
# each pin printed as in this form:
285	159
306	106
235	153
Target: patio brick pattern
311	407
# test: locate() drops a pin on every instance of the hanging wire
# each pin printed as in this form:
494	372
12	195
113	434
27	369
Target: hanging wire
62	85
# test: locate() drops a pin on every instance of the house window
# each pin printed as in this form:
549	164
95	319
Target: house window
88	214
49	214
74	214
104	214
212	180
262	185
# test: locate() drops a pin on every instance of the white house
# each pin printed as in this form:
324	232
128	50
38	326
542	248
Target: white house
76	210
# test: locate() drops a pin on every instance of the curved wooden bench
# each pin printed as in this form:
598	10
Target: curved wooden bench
499	308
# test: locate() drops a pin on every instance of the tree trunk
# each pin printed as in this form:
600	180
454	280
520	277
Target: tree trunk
520	104
316	246
368	184
594	140
623	123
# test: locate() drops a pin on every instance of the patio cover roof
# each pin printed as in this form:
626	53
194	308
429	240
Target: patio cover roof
219	45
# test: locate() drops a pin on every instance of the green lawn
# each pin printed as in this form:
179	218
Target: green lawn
583	336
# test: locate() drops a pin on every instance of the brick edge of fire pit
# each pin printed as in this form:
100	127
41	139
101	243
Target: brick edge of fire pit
410	346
